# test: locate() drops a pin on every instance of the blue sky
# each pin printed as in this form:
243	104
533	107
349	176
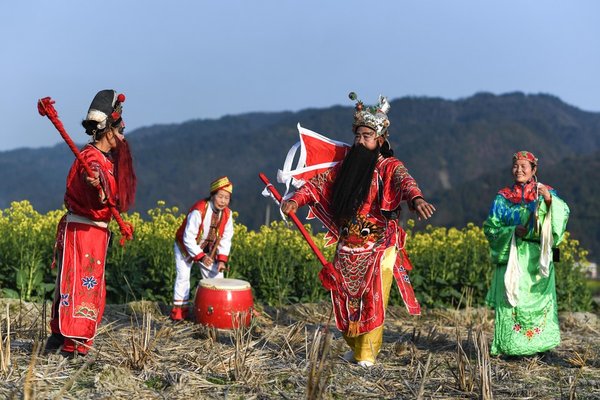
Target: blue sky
184	60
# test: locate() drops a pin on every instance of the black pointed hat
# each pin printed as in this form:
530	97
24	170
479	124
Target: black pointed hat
106	108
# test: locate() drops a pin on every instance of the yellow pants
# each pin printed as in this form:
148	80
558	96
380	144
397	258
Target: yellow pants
367	346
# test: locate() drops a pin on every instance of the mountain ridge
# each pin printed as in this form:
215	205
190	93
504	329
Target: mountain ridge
445	144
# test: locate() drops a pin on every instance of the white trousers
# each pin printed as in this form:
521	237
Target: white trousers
181	293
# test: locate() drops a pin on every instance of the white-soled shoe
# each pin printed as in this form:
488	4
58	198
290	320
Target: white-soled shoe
349	356
366	364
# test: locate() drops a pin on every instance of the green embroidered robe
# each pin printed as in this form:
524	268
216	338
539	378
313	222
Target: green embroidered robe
532	325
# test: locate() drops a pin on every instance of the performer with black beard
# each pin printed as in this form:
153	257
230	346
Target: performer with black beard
358	201
82	235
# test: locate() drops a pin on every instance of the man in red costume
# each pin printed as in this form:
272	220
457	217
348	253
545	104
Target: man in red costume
82	235
358	201
204	238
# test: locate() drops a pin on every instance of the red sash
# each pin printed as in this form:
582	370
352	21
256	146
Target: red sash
401	267
82	285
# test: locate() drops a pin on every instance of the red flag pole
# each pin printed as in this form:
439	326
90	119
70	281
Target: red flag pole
46	109
296	221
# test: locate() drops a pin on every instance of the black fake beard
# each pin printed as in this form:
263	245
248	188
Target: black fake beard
353	182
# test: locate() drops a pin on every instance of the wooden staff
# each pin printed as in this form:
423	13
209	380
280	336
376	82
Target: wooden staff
296	222
327	275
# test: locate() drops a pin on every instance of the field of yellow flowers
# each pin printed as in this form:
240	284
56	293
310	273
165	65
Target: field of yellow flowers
451	265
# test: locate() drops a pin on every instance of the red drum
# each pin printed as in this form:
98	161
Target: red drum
223	303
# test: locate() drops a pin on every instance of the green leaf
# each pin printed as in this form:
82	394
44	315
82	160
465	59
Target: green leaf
47	287
9	293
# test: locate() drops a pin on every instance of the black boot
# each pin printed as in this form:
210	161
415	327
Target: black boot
54	342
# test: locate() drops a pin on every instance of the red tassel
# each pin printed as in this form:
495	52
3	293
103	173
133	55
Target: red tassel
126	230
121	98
125	175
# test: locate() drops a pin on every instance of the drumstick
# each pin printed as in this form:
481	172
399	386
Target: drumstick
213	251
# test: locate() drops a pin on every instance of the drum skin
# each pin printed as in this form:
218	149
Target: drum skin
223	303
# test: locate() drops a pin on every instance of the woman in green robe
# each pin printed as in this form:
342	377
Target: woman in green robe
526	222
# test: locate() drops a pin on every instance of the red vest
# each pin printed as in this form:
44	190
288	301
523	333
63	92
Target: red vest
201	206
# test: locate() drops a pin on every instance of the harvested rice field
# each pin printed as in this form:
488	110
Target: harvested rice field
292	352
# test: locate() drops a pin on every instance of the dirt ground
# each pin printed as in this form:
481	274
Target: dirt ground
292	352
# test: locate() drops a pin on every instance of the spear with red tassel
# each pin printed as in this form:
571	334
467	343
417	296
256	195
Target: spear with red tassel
327	274
46	109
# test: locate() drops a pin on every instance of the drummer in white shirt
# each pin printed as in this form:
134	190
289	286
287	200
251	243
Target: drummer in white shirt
204	238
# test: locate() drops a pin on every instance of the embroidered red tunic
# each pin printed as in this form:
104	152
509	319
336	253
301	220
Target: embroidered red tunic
81	245
357	298
80	197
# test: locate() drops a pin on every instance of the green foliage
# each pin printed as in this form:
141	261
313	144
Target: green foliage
26	247
448	263
155	382
451	266
278	263
594	286
571	288
145	267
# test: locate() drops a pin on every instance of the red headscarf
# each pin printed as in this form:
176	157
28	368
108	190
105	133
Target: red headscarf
525	155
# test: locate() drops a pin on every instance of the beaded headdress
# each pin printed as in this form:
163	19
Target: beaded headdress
374	117
525	155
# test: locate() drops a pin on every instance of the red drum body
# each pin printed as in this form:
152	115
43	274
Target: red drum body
223	303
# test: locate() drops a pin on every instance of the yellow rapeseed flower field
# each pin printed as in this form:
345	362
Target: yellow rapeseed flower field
449	263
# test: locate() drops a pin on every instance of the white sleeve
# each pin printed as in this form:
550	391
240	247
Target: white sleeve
225	243
194	219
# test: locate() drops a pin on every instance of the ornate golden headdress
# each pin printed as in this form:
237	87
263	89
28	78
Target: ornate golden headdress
222	183
373	117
